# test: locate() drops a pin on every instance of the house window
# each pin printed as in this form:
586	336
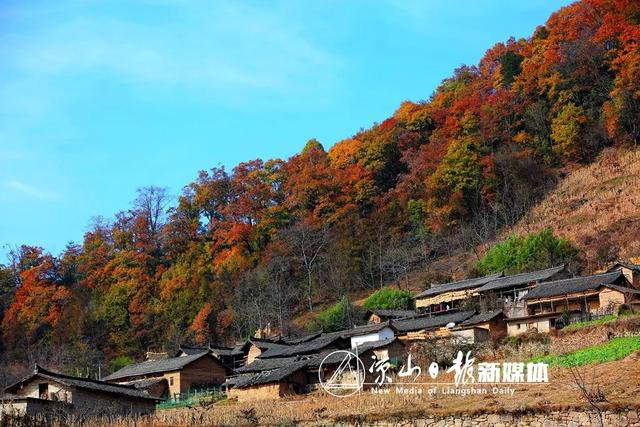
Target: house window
519	325
171	381
43	391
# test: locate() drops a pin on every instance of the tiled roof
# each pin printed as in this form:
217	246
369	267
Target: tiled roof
267	364
266	377
394	314
481	317
629	265
84	383
521	279
575	284
156	366
458	286
299	340
312	346
431	322
266	344
361	330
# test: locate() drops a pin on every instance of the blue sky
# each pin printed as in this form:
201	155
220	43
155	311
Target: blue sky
98	98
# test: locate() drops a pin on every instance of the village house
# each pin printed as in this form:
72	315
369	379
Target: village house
381	315
231	357
508	292
551	305
325	365
597	294
258	346
430	326
183	374
321	343
369	333
482	327
49	392
450	296
631	272
537	323
287	380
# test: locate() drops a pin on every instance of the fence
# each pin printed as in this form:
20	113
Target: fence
194	397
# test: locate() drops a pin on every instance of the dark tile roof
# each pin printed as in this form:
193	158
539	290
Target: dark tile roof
84	383
299	340
361	330
312	346
431	322
521	279
624	289
374	345
629	265
482	317
189	350
267	364
146	383
575	284
266	377
156	366
458	286
393	314
263	344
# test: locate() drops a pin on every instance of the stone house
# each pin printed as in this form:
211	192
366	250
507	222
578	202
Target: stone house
430	326
542	323
631	272
50	392
597	294
287	380
508	292
488	326
183	374
450	296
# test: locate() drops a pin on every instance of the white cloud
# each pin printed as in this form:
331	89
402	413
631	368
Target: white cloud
31	191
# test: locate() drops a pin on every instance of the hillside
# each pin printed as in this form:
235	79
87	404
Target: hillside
596	206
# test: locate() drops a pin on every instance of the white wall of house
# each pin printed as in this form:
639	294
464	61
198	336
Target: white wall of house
383	334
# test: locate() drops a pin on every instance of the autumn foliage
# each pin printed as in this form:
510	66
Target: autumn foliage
250	247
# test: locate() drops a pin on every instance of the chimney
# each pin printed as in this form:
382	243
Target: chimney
150	355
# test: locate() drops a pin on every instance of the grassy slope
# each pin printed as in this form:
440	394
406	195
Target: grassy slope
597	207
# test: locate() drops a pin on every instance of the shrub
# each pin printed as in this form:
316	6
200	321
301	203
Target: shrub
340	316
390	298
517	254
119	363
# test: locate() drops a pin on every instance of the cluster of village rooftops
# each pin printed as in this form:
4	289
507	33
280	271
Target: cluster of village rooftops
463	312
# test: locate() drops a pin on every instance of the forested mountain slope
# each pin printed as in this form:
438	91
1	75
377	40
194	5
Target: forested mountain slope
271	239
597	207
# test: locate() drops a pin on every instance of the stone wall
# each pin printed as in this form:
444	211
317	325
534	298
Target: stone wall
573	418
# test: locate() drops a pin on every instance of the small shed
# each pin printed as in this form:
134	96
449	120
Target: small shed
45	390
